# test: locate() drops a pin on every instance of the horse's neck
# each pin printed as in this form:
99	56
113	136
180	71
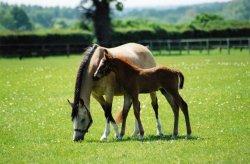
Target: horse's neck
86	89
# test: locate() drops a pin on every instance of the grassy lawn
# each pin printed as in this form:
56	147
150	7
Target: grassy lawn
35	124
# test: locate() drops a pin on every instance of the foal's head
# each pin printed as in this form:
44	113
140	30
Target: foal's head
104	67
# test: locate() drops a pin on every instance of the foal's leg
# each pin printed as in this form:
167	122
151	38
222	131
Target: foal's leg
154	103
126	106
175	109
184	107
136	106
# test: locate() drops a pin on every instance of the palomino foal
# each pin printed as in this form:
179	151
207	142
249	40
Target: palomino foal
135	80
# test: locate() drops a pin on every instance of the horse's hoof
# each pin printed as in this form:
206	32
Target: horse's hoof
103	138
188	136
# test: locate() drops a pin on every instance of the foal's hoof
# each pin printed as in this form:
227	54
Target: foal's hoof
103	138
135	134
119	137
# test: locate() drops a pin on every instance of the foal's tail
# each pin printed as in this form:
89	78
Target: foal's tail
181	80
118	117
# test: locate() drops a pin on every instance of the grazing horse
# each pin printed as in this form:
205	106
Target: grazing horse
108	87
135	80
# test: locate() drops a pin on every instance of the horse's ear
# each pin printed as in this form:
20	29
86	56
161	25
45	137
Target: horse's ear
81	102
70	103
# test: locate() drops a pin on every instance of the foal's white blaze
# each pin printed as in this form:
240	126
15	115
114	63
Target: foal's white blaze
97	74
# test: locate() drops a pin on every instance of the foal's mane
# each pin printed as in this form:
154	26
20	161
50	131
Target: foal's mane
81	72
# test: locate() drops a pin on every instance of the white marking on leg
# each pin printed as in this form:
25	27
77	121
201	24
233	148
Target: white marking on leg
117	134
106	131
159	132
136	129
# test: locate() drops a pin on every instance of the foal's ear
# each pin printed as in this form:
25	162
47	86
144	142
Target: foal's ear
107	54
70	103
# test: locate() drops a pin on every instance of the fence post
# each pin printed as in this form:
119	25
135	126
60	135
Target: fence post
200	46
151	45
249	45
220	47
67	49
207	44
188	47
228	46
180	48
169	47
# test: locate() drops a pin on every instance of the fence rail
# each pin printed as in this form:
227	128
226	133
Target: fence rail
168	45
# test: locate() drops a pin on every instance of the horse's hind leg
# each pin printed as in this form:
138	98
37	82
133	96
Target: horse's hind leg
175	109
154	103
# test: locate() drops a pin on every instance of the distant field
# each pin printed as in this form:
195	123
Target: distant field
35	123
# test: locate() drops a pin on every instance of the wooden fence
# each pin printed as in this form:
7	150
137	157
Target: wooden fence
198	44
178	45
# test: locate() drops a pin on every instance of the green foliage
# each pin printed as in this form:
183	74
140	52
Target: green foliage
238	10
20	19
35	123
204	19
14	19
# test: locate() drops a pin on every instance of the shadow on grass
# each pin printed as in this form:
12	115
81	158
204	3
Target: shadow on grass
149	138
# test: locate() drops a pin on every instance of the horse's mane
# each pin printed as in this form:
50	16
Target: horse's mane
81	72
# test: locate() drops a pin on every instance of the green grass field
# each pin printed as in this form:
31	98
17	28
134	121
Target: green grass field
35	123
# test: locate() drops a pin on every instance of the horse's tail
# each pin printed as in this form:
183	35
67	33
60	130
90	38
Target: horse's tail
118	117
181	80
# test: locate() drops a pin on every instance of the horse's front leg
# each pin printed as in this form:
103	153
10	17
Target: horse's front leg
108	113
103	103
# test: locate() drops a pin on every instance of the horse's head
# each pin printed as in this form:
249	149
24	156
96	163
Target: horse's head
81	119
104	67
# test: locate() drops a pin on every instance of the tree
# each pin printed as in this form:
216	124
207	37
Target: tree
98	11
20	18
204	19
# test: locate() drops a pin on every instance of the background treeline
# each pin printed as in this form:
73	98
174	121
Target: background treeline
34	24
232	10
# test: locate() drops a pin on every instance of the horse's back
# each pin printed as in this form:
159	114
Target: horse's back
136	53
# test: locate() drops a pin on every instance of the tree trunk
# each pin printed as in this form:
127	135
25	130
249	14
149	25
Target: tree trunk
102	23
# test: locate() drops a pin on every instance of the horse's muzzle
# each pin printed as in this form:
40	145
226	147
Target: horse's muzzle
78	136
